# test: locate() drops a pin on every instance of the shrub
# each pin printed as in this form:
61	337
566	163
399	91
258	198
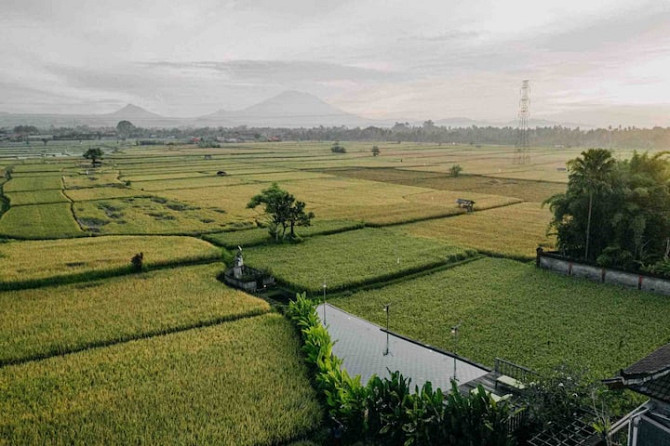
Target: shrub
385	411
138	262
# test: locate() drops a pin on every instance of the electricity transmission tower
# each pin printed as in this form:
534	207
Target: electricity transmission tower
523	153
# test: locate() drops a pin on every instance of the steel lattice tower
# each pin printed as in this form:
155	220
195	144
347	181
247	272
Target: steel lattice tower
523	154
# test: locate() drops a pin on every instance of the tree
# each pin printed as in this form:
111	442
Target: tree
94	154
283	209
455	170
375	151
337	148
125	129
591	173
628	201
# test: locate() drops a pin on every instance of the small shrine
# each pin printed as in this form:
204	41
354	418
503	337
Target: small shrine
245	277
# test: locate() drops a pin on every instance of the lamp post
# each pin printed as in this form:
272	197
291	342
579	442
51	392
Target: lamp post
386	309
454	332
324	303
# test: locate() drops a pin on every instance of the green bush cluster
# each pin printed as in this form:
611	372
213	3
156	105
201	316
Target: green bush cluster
385	411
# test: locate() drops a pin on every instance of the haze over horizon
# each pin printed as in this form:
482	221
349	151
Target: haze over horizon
600	62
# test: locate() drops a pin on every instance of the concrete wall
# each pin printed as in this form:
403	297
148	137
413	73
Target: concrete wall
604	275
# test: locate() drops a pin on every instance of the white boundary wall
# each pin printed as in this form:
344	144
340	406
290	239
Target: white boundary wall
604	275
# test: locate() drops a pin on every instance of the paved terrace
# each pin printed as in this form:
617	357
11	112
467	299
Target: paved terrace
361	345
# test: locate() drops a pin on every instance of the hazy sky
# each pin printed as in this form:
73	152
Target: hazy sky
594	61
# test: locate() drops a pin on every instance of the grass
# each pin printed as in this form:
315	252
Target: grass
26	261
512	231
39	221
148	216
351	259
259	236
50	321
239	383
532	317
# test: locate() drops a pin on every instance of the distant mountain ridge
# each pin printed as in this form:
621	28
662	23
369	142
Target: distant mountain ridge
290	109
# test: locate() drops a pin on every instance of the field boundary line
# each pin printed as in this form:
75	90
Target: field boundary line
74	216
136	337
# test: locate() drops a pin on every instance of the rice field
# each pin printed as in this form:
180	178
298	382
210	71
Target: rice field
50	321
39	221
351	258
33	183
153	215
36	197
259	236
344	199
515	311
537	191
241	382
511	231
91	179
22	261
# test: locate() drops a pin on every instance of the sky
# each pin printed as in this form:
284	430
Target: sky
596	62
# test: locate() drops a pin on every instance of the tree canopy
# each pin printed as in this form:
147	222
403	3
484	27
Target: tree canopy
615	212
125	129
94	154
283	210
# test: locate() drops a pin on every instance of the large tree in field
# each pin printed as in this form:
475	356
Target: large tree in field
94	154
283	210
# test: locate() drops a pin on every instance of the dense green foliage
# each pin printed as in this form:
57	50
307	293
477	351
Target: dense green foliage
352	258
94	154
386	411
615	212
515	311
237	383
283	211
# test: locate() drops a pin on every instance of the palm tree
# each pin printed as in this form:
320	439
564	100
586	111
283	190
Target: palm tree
590	173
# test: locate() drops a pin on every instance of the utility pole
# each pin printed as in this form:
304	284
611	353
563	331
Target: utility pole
454	332
386	309
324	303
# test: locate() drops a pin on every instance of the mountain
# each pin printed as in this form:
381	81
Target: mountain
130	112
287	109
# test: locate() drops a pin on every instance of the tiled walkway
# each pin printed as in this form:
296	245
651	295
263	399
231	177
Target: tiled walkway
361	346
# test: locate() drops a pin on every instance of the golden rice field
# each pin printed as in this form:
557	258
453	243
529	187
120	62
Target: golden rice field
55	320
241	383
29	260
512	231
522	189
153	215
91	179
